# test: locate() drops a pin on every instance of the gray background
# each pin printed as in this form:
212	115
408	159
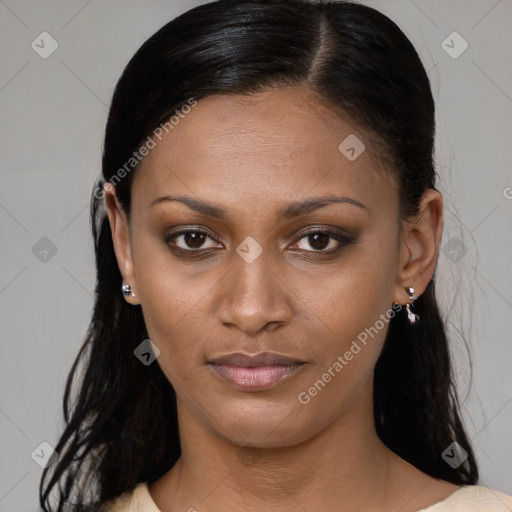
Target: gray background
53	116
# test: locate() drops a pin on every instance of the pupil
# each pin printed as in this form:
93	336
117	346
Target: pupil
194	240
321	239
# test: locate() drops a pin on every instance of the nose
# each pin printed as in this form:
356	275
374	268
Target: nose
255	297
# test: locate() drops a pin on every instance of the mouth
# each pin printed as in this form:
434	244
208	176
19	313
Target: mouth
254	372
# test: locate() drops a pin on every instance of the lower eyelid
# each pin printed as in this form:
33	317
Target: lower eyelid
341	239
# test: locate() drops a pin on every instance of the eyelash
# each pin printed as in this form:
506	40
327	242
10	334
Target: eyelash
343	239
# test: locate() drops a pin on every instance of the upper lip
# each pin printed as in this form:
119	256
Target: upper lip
251	360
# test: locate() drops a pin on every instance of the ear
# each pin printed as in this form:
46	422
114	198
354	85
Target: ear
120	227
419	247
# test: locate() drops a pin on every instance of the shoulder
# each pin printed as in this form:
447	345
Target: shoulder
473	498
138	500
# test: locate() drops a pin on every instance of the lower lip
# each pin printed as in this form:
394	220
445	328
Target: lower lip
255	378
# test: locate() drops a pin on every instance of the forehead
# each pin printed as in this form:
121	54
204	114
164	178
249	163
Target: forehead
271	146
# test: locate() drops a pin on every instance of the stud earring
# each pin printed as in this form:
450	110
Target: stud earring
127	290
413	318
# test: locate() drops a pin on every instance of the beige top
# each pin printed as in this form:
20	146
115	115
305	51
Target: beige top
471	498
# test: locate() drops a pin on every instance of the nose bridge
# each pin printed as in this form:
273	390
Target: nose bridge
255	295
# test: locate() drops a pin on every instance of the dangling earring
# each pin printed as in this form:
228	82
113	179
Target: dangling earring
127	290
413	318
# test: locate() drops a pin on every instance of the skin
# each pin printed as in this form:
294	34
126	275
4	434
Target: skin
265	450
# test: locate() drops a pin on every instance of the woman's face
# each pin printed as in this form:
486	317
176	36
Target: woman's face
251	276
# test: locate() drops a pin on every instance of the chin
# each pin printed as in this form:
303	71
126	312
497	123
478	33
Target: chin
263	424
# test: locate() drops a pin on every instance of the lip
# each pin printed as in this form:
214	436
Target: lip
254	372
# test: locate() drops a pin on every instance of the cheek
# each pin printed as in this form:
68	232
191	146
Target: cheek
352	308
173	303
174	313
354	322
351	297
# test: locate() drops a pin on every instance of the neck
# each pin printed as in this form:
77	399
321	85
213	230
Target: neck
345	466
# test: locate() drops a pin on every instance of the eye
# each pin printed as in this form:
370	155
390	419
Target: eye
190	240
322	241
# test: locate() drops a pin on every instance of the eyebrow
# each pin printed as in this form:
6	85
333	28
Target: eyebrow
289	211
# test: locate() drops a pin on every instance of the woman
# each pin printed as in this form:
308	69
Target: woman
265	334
